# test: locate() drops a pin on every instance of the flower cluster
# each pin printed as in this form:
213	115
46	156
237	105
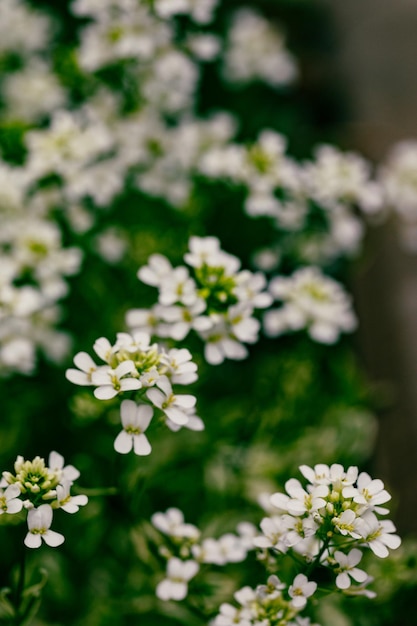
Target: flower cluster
328	520
211	296
134	364
320	526
186	551
310	301
272	604
318	203
34	265
255	51
40	489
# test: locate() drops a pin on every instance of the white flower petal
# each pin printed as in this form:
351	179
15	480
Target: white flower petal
141	445
123	442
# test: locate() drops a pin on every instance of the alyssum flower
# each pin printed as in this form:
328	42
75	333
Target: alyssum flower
40	489
211	296
135	365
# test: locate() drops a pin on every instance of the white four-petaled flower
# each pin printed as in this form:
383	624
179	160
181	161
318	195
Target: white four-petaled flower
135	420
39	523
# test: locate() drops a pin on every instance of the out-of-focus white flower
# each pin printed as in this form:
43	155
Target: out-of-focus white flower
172	523
227	549
311	301
111	245
39	523
255	51
32	92
179	573
22	29
300	590
201	11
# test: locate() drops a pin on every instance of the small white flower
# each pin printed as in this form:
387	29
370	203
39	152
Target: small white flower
172	523
301	500
227	549
347	567
181	369
56	464
175	407
135	420
274	531
175	586
86	367
158	269
67	502
39	522
379	535
368	492
9	499
110	382
300	590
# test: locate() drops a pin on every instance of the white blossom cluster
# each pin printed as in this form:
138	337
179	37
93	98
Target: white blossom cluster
310	301
186	551
134	364
322	201
272	604
34	264
323	524
327	521
40	489
211	296
22	29
255	50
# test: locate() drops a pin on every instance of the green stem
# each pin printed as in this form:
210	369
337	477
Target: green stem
316	561
20	585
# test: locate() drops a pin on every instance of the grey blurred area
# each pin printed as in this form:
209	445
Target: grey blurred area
377	63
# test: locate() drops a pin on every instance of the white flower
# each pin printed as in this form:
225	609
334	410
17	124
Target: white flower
301	500
56	464
110	382
368	492
67	502
300	590
175	586
181	370
232	616
256	51
9	500
203	251
378	535
347	567
178	287
175	407
348	523
227	549
312	301
86	367
135	420
274	531
220	344
158	268
172	523
39	522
